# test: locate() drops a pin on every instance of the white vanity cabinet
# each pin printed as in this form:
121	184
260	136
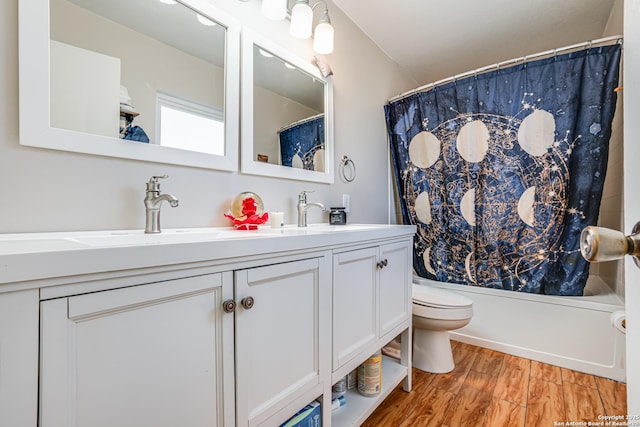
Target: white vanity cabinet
159	354
238	330
371	306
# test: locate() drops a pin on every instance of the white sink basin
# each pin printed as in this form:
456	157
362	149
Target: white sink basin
13	246
32	243
138	237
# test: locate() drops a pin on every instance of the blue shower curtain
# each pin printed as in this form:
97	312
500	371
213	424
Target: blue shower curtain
500	172
302	139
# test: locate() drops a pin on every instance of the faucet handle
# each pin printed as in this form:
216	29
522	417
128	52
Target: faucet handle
153	184
302	197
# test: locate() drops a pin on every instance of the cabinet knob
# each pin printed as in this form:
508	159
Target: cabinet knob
229	306
247	302
382	264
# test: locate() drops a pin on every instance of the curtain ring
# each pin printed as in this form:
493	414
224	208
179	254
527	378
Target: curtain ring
347	164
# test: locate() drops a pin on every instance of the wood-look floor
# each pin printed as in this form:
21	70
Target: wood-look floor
493	389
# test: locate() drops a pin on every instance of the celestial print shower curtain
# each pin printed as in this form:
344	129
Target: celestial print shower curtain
500	172
302	144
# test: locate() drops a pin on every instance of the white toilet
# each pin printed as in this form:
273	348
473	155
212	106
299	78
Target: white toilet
436	312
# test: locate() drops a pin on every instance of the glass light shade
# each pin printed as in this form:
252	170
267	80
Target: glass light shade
323	38
274	9
301	21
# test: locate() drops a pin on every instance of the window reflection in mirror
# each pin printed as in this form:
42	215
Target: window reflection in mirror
288	113
126	68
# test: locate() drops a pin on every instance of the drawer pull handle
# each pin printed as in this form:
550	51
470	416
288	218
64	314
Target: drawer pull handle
247	303
229	306
382	264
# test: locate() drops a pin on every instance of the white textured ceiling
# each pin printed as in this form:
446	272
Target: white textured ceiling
435	39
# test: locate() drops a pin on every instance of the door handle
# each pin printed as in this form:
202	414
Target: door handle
603	244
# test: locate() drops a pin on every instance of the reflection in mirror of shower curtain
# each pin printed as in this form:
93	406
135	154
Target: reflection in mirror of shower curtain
302	144
501	171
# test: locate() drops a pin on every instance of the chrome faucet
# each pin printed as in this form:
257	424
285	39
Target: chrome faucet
152	202
303	206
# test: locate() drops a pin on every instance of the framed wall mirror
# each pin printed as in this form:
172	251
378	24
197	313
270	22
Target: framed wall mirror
287	114
151	80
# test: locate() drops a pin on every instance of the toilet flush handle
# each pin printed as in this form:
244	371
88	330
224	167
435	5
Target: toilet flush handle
602	244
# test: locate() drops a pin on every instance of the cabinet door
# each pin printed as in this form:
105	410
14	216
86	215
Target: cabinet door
277	339
150	355
354	303
395	285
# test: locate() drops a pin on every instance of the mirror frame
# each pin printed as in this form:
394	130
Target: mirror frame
254	167
34	97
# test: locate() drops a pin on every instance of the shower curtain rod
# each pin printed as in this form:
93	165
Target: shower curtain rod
496	66
299	122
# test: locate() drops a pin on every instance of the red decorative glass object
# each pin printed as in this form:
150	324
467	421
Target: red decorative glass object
247	211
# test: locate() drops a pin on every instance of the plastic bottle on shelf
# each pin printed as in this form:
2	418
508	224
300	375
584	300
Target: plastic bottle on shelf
370	375
338	402
339	388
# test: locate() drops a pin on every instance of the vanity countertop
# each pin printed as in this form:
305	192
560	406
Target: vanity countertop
28	257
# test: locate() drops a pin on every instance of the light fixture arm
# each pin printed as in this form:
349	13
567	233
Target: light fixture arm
325	14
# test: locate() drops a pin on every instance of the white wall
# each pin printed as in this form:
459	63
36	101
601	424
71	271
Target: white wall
45	190
611	207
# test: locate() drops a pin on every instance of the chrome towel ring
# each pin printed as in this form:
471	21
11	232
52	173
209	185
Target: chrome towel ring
347	166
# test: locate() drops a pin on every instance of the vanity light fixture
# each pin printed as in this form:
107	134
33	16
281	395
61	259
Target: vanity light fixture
302	22
323	38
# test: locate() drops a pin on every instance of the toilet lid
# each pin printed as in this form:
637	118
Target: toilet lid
436	297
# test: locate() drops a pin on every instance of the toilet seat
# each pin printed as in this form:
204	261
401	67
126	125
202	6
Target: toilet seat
429	296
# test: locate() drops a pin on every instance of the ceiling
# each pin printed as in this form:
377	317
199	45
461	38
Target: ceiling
436	39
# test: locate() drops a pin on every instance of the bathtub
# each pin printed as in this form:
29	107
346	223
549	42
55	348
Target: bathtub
580	333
